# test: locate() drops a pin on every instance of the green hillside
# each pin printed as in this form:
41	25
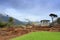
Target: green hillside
39	36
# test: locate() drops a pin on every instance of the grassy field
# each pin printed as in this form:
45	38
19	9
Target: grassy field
39	36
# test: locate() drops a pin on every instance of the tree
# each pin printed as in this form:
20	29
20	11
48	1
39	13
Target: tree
58	20
28	22
52	17
3	24
10	21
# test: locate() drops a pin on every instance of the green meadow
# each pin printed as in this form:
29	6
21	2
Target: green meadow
39	36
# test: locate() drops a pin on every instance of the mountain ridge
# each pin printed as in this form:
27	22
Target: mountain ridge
4	18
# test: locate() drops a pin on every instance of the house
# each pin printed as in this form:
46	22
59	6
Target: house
45	22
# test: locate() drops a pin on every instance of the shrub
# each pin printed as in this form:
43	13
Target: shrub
2	24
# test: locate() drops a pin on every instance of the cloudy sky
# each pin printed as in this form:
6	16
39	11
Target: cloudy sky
34	10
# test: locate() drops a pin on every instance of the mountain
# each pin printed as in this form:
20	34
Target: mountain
4	18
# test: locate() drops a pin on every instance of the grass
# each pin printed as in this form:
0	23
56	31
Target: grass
39	36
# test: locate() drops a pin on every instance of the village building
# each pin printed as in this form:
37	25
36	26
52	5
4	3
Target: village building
45	22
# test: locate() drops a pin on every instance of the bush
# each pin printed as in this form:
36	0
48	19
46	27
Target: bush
2	24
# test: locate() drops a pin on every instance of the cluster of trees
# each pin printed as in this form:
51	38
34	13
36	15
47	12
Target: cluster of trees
58	20
54	16
9	23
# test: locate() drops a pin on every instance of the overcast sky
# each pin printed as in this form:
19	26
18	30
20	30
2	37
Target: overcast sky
34	10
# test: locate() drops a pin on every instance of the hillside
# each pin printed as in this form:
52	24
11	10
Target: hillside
4	18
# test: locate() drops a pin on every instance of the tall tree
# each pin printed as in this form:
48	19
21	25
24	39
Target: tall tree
11	20
53	16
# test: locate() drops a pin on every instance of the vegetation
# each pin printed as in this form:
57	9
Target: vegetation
29	22
52	17
10	21
40	36
2	24
58	20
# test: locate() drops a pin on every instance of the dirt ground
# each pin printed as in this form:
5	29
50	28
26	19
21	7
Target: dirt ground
8	33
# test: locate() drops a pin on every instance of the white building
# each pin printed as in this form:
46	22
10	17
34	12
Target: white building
45	22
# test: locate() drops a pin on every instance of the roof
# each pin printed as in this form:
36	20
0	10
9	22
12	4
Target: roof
45	20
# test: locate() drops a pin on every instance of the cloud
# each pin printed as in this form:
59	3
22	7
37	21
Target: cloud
31	9
30	4
20	15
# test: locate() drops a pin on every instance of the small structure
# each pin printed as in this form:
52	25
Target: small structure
45	22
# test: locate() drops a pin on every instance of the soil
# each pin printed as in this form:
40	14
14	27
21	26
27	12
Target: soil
8	33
